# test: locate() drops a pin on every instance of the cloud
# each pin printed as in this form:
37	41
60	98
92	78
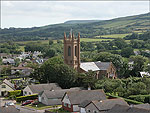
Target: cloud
39	13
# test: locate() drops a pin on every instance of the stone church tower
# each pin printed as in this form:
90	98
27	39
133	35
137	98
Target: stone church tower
72	51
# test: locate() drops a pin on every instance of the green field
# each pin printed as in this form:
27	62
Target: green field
115	35
93	40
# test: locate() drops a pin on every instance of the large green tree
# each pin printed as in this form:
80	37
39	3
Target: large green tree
139	64
54	70
127	52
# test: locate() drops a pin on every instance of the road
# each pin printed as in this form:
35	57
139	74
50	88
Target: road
23	109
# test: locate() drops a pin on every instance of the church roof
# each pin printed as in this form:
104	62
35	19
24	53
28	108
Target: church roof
95	66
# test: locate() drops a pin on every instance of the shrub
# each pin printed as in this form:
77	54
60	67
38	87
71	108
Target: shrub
24	98
129	101
14	93
140	98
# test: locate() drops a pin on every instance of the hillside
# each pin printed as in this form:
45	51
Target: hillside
137	23
80	21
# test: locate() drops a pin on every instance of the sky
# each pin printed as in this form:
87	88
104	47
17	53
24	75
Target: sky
39	13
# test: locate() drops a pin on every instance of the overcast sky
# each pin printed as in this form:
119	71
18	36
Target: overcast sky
40	13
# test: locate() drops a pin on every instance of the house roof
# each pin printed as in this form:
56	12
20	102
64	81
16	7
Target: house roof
108	103
37	88
85	103
95	66
77	97
54	97
126	109
57	93
9	83
9	109
143	106
9	60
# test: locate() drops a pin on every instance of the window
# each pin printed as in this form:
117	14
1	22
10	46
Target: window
69	106
69	51
94	111
29	93
3	86
89	110
65	104
42	98
76	51
25	92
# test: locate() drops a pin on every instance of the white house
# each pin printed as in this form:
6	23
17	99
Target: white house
6	86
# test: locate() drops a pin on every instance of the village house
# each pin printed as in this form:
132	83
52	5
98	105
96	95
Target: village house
21	70
100	106
54	97
72	58
127	109
8	61
5	87
72	99
144	74
37	88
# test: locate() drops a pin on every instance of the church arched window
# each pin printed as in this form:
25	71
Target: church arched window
76	51
69	51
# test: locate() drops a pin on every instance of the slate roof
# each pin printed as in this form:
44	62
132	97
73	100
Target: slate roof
37	88
108	103
126	109
95	66
77	97
85	103
143	106
55	97
9	109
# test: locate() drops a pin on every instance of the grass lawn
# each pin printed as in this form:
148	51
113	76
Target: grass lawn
46	41
93	40
115	35
21	48
40	106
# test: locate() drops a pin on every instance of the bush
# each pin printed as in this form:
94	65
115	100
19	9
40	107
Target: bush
141	98
14	93
129	101
24	98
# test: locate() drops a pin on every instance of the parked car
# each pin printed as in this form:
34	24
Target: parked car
27	102
9	104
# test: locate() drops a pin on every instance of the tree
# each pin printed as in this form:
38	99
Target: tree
139	64
89	79
49	53
120	43
55	71
127	52
50	41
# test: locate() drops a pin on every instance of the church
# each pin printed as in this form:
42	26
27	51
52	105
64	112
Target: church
72	58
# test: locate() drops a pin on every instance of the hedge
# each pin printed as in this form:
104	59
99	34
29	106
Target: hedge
129	101
14	93
140	98
28	97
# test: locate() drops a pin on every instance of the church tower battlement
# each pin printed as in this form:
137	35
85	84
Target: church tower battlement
72	50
